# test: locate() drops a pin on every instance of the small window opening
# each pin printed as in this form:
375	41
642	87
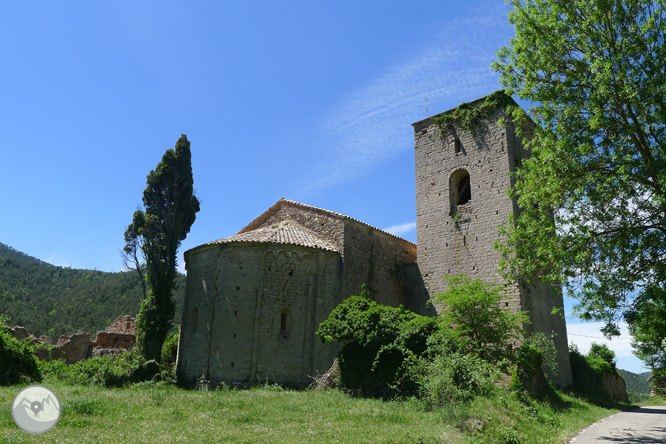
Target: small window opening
464	193
232	364
460	192
235	313
195	319
284	323
456	145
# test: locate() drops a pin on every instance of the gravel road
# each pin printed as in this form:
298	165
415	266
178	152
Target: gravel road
646	425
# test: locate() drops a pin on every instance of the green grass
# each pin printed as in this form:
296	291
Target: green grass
505	418
151	413
157	413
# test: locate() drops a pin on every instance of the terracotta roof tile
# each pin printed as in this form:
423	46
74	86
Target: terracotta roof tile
284	232
284	201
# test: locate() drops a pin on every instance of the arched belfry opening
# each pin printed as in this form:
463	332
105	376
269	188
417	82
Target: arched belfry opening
460	191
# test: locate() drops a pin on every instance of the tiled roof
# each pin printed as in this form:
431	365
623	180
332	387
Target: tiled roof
284	232
323	211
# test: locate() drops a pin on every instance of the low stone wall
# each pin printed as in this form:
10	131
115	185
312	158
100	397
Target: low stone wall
614	386
118	337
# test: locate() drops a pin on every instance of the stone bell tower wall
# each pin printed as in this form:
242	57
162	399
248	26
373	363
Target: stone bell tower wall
462	178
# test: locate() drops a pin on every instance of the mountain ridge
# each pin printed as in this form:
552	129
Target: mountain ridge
52	300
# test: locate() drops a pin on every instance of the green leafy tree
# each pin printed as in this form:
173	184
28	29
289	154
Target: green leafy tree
593	192
602	351
471	310
647	325
170	208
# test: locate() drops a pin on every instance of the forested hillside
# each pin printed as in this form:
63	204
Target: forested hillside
51	300
636	382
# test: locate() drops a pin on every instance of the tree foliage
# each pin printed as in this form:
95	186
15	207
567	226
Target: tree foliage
381	345
593	192
391	351
647	325
51	300
17	360
601	351
472	312
170	208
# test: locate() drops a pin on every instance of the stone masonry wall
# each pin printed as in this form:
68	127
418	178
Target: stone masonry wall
258	307
376	259
455	239
370	256
320	221
450	244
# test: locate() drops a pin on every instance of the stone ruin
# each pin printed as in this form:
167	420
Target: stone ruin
119	336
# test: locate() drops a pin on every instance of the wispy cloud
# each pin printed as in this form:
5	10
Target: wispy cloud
401	229
371	124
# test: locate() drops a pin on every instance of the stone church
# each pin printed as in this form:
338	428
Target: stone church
254	300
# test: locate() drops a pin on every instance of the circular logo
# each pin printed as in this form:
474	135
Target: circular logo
36	409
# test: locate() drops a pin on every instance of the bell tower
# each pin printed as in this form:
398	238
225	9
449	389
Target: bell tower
462	178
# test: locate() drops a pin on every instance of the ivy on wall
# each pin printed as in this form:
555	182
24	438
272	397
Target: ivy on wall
469	114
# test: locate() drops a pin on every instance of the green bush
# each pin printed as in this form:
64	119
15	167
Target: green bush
108	371
170	353
389	352
456	377
18	364
381	346
601	351
657	381
471	309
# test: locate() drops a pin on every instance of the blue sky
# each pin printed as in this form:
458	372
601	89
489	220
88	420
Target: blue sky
311	101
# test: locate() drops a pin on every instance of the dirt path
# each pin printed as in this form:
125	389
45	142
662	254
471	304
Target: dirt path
646	425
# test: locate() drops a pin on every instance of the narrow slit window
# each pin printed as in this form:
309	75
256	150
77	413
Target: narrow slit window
195	319
456	145
283	323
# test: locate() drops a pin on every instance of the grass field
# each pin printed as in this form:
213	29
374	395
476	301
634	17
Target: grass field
156	413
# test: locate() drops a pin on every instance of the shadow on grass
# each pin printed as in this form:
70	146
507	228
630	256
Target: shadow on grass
594	398
557	399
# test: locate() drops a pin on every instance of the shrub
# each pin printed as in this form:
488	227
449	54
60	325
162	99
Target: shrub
456	377
108	371
536	365
169	355
18	364
657	381
381	346
471	309
601	351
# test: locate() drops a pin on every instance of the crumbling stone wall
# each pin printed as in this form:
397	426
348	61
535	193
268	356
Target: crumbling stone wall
118	337
456	234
